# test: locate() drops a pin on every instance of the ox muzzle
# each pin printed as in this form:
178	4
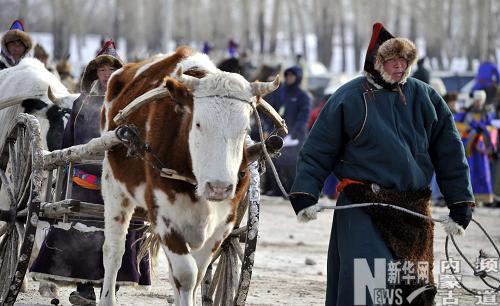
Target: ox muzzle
218	191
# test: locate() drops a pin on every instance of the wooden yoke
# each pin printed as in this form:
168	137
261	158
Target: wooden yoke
150	96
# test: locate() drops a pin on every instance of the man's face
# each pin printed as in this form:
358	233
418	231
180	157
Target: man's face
395	67
103	74
16	49
290	78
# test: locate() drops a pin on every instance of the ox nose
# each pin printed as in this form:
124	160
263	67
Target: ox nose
218	191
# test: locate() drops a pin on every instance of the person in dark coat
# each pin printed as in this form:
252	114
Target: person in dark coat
72	252
383	135
16	44
423	74
294	106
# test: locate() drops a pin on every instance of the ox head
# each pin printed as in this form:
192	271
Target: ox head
222	105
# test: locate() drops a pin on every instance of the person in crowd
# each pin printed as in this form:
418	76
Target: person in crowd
41	54
451	100
487	79
16	44
479	138
72	252
232	48
383	135
294	106
64	70
207	47
423	74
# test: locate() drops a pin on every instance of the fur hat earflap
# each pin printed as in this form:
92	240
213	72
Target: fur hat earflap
107	55
396	48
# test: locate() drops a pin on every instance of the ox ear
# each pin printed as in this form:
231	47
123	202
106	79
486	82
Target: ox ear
189	81
264	88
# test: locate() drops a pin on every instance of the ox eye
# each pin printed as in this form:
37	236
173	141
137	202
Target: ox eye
198	125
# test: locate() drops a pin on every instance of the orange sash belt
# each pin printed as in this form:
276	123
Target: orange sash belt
343	183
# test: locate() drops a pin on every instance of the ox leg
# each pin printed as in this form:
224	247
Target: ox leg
118	211
183	274
205	254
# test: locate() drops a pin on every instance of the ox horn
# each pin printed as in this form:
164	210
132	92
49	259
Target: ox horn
264	107
190	81
263	88
51	95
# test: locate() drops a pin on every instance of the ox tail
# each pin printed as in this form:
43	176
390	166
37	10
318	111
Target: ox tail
150	244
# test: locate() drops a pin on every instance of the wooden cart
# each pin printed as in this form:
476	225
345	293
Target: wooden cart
32	180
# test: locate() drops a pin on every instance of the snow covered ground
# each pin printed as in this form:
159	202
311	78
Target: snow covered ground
281	275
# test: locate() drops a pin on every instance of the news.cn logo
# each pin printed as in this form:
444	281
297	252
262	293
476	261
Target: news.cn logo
381	284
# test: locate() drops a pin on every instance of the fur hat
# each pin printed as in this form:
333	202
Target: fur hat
40	53
106	56
479	95
17	32
395	48
64	68
384	46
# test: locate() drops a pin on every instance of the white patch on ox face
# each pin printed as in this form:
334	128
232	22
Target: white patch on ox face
221	120
195	222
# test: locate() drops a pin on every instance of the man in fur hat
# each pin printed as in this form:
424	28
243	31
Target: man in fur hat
16	44
383	135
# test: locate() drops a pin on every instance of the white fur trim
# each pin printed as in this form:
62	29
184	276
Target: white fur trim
451	227
308	214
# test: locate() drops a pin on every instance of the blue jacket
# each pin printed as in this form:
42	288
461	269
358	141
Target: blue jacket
293	104
487	75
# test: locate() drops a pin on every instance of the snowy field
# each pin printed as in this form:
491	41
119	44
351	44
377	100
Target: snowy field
281	275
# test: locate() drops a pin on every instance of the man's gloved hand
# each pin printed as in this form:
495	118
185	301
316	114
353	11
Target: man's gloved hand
304	207
308	214
461	213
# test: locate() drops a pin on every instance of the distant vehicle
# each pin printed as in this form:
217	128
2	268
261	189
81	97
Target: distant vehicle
454	81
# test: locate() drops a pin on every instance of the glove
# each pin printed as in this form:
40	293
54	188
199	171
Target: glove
308	214
461	214
304	206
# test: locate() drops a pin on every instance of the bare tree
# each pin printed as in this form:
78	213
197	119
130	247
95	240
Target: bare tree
343	35
246	13
324	28
299	12
23	9
154	27
291	28
62	27
261	27
274	26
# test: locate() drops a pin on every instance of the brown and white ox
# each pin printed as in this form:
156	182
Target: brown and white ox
199	130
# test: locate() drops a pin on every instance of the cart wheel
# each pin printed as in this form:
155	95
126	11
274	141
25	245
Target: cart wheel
20	190
230	282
